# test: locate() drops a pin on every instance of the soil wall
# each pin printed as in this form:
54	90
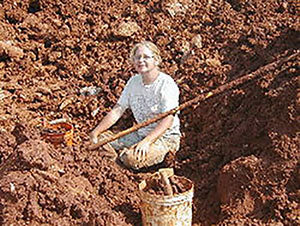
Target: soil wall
240	148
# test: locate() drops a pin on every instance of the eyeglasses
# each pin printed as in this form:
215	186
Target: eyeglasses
144	57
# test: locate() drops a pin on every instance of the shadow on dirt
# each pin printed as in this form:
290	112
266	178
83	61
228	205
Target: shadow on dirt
130	214
244	56
239	124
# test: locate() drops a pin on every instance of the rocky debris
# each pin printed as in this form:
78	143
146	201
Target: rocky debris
9	49
126	29
240	149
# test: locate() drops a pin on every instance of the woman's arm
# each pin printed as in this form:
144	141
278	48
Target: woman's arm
110	119
159	130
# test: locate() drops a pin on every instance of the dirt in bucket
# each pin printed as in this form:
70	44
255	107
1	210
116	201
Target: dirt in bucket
156	186
240	149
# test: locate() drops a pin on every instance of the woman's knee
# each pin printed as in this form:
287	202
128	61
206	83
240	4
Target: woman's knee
130	160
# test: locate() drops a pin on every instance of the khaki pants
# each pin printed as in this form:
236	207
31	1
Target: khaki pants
156	153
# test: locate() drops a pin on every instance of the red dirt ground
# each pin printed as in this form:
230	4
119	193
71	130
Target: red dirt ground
240	148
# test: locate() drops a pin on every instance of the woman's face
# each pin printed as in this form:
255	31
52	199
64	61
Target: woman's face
144	60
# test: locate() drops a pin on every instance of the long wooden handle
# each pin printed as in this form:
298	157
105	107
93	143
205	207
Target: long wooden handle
201	97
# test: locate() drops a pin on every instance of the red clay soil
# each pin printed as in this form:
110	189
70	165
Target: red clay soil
240	148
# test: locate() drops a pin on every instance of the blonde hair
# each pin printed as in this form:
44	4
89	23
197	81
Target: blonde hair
149	45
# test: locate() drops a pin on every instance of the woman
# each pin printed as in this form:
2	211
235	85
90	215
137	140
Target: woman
147	94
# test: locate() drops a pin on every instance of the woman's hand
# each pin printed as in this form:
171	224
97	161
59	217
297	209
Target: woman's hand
141	149
93	138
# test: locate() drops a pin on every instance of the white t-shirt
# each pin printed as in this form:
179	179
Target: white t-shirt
146	101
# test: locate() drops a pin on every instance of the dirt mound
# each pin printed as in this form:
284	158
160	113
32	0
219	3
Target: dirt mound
240	148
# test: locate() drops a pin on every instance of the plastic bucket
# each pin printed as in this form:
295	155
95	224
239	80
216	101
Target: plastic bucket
63	137
159	210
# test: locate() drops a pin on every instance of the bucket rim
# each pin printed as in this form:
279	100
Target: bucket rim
68	126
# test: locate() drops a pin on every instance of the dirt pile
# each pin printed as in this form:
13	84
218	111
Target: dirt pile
241	148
